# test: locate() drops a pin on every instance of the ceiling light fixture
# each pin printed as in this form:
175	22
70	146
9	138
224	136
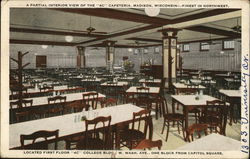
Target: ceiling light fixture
152	12
44	46
130	49
69	38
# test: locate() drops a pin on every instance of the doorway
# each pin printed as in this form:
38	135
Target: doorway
41	61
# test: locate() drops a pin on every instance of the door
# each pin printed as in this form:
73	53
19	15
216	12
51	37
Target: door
41	61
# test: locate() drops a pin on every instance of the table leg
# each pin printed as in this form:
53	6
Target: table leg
185	112
173	105
150	125
231	111
117	137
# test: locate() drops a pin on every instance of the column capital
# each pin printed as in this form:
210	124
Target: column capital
109	43
80	47
167	32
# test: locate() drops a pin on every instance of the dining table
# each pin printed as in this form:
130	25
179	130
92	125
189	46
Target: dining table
152	90
183	86
55	88
192	101
233	97
157	81
115	84
37	101
71	124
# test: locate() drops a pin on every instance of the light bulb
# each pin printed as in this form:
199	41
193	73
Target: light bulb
152	12
69	38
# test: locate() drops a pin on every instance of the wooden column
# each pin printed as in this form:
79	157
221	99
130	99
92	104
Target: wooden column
169	55
19	72
110	52
81	58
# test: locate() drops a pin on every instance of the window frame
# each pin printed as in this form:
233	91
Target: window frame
183	47
201	49
223	45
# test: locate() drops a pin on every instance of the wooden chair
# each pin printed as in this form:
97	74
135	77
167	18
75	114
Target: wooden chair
112	89
98	138
131	137
214	114
196	128
75	106
27	102
154	103
130	97
46	88
91	99
171	118
122	93
148	144
57	106
57	98
23	115
39	145
22	103
143	97
108	102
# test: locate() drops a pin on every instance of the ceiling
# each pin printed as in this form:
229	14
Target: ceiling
125	26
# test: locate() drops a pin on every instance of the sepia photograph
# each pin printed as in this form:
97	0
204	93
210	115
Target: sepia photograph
102	79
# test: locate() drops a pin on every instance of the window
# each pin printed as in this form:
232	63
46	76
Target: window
185	48
136	51
228	45
204	46
157	50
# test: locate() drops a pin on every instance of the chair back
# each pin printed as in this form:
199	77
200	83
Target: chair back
27	102
36	135
148	144
216	111
46	88
142	89
130	97
91	99
23	115
22	103
57	98
188	91
100	130
76	106
192	85
139	118
142	92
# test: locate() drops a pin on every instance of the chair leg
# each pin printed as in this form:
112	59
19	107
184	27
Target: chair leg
178	124
188	136
156	111
167	131
205	131
160	110
196	118
67	145
173	123
199	134
164	122
211	129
